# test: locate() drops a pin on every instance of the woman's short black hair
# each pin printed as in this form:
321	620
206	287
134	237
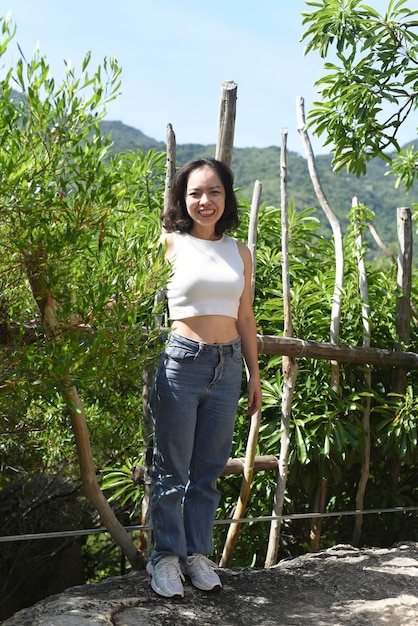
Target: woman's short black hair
176	218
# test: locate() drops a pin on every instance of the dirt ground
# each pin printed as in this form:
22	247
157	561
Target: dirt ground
340	586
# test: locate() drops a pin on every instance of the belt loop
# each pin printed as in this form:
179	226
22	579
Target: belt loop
236	347
200	350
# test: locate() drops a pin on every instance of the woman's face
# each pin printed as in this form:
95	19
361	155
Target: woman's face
205	199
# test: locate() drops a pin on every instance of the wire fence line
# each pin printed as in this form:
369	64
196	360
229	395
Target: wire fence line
243	520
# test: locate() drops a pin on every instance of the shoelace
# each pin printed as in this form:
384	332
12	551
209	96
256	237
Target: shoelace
206	564
171	570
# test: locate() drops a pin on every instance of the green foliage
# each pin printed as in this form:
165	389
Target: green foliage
119	482
375	71
78	228
397	430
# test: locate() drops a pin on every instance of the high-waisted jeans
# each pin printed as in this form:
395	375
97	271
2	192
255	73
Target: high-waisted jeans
193	402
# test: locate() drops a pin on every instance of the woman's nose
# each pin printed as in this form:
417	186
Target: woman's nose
204	198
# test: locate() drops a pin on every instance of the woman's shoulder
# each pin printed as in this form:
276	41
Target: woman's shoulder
167	240
165	237
243	249
245	254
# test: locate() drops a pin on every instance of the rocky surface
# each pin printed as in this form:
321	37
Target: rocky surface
339	586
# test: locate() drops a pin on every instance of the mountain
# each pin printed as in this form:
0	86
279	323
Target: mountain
376	190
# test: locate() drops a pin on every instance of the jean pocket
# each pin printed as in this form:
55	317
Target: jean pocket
180	354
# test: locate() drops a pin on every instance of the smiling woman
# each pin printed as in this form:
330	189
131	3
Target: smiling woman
198	381
205	202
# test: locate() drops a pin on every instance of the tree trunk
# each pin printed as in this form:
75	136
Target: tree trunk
319	507
47	307
89	479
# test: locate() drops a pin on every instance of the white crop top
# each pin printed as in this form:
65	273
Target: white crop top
208	277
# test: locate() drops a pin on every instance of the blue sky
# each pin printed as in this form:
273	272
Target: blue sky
175	54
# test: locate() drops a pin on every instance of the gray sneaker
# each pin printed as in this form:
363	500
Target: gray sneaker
201	572
166	576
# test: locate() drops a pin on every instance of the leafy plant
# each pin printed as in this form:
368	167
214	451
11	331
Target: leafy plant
120	482
374	72
81	264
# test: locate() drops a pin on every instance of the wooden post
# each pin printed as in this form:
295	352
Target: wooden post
226	123
252	231
234	466
403	283
289	367
404	276
148	373
306	348
336	298
145	536
338	239
248	469
28	332
365	307
403	316
170	170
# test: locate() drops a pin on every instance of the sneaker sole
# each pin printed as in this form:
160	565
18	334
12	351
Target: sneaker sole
216	588
163	594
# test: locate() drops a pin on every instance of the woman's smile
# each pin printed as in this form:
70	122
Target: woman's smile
205	200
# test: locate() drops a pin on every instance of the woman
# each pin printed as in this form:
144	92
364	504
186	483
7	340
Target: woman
198	380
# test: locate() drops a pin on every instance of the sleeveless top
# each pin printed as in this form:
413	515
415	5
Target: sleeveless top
208	277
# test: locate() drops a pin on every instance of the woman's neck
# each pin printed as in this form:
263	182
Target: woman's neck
201	233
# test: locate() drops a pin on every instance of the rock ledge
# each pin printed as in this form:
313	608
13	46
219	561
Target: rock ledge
338	586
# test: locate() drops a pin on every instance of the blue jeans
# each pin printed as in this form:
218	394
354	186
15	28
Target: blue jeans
193	403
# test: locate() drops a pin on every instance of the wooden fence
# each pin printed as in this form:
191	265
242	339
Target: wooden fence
287	346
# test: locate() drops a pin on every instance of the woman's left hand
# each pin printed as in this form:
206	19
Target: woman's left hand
254	397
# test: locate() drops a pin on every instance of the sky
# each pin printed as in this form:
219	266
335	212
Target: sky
175	55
